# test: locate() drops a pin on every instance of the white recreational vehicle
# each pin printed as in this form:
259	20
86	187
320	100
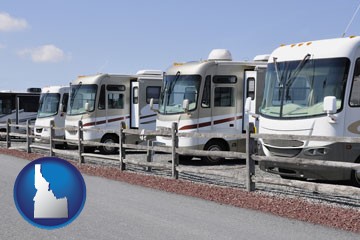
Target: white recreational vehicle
52	106
18	107
313	88
105	100
208	96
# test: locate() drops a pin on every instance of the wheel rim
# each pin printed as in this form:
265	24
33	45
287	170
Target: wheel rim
108	149
357	177
214	148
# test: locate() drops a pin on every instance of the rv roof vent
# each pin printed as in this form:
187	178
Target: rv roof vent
34	90
220	54
262	58
149	72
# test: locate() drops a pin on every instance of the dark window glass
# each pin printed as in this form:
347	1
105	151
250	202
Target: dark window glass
205	102
153	92
355	89
135	95
115	88
64	101
224	97
102	98
251	88
224	79
115	101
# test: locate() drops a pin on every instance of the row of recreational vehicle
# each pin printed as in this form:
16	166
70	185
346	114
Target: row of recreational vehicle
100	101
310	88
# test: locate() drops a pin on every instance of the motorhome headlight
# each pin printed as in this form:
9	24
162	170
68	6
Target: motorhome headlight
316	151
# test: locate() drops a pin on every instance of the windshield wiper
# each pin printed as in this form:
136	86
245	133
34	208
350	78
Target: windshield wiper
74	95
299	67
168	89
276	70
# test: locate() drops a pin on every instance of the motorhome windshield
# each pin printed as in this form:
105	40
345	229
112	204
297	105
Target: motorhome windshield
49	105
296	89
177	88
79	96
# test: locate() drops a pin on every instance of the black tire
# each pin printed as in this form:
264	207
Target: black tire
214	145
355	178
89	149
185	158
109	139
3	137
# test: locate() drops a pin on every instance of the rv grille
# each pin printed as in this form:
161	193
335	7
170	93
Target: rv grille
282	152
283	143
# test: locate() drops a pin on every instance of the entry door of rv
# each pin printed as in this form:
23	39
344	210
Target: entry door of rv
224	113
134	111
249	92
148	88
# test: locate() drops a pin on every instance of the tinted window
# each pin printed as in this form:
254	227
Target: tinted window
205	102
115	88
224	97
115	101
102	98
355	89
225	79
153	92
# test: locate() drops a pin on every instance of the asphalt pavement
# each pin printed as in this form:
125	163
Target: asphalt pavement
116	210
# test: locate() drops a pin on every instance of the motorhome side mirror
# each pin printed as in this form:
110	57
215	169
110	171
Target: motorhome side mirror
151	103
185	105
61	107
87	107
330	104
248	105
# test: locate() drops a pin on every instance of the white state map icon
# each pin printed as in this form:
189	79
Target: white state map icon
46	205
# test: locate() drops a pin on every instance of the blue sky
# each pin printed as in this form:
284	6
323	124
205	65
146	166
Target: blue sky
51	42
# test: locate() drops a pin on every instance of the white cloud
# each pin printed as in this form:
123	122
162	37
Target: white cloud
45	53
9	23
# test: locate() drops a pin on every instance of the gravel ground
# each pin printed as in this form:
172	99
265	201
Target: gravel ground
331	211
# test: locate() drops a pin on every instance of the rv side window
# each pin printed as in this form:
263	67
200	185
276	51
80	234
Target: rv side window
153	92
205	102
224	79
135	95
5	106
64	101
224	97
115	101
115	88
355	88
102	98
29	103
251	87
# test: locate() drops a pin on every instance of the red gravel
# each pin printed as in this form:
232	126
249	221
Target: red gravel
331	216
